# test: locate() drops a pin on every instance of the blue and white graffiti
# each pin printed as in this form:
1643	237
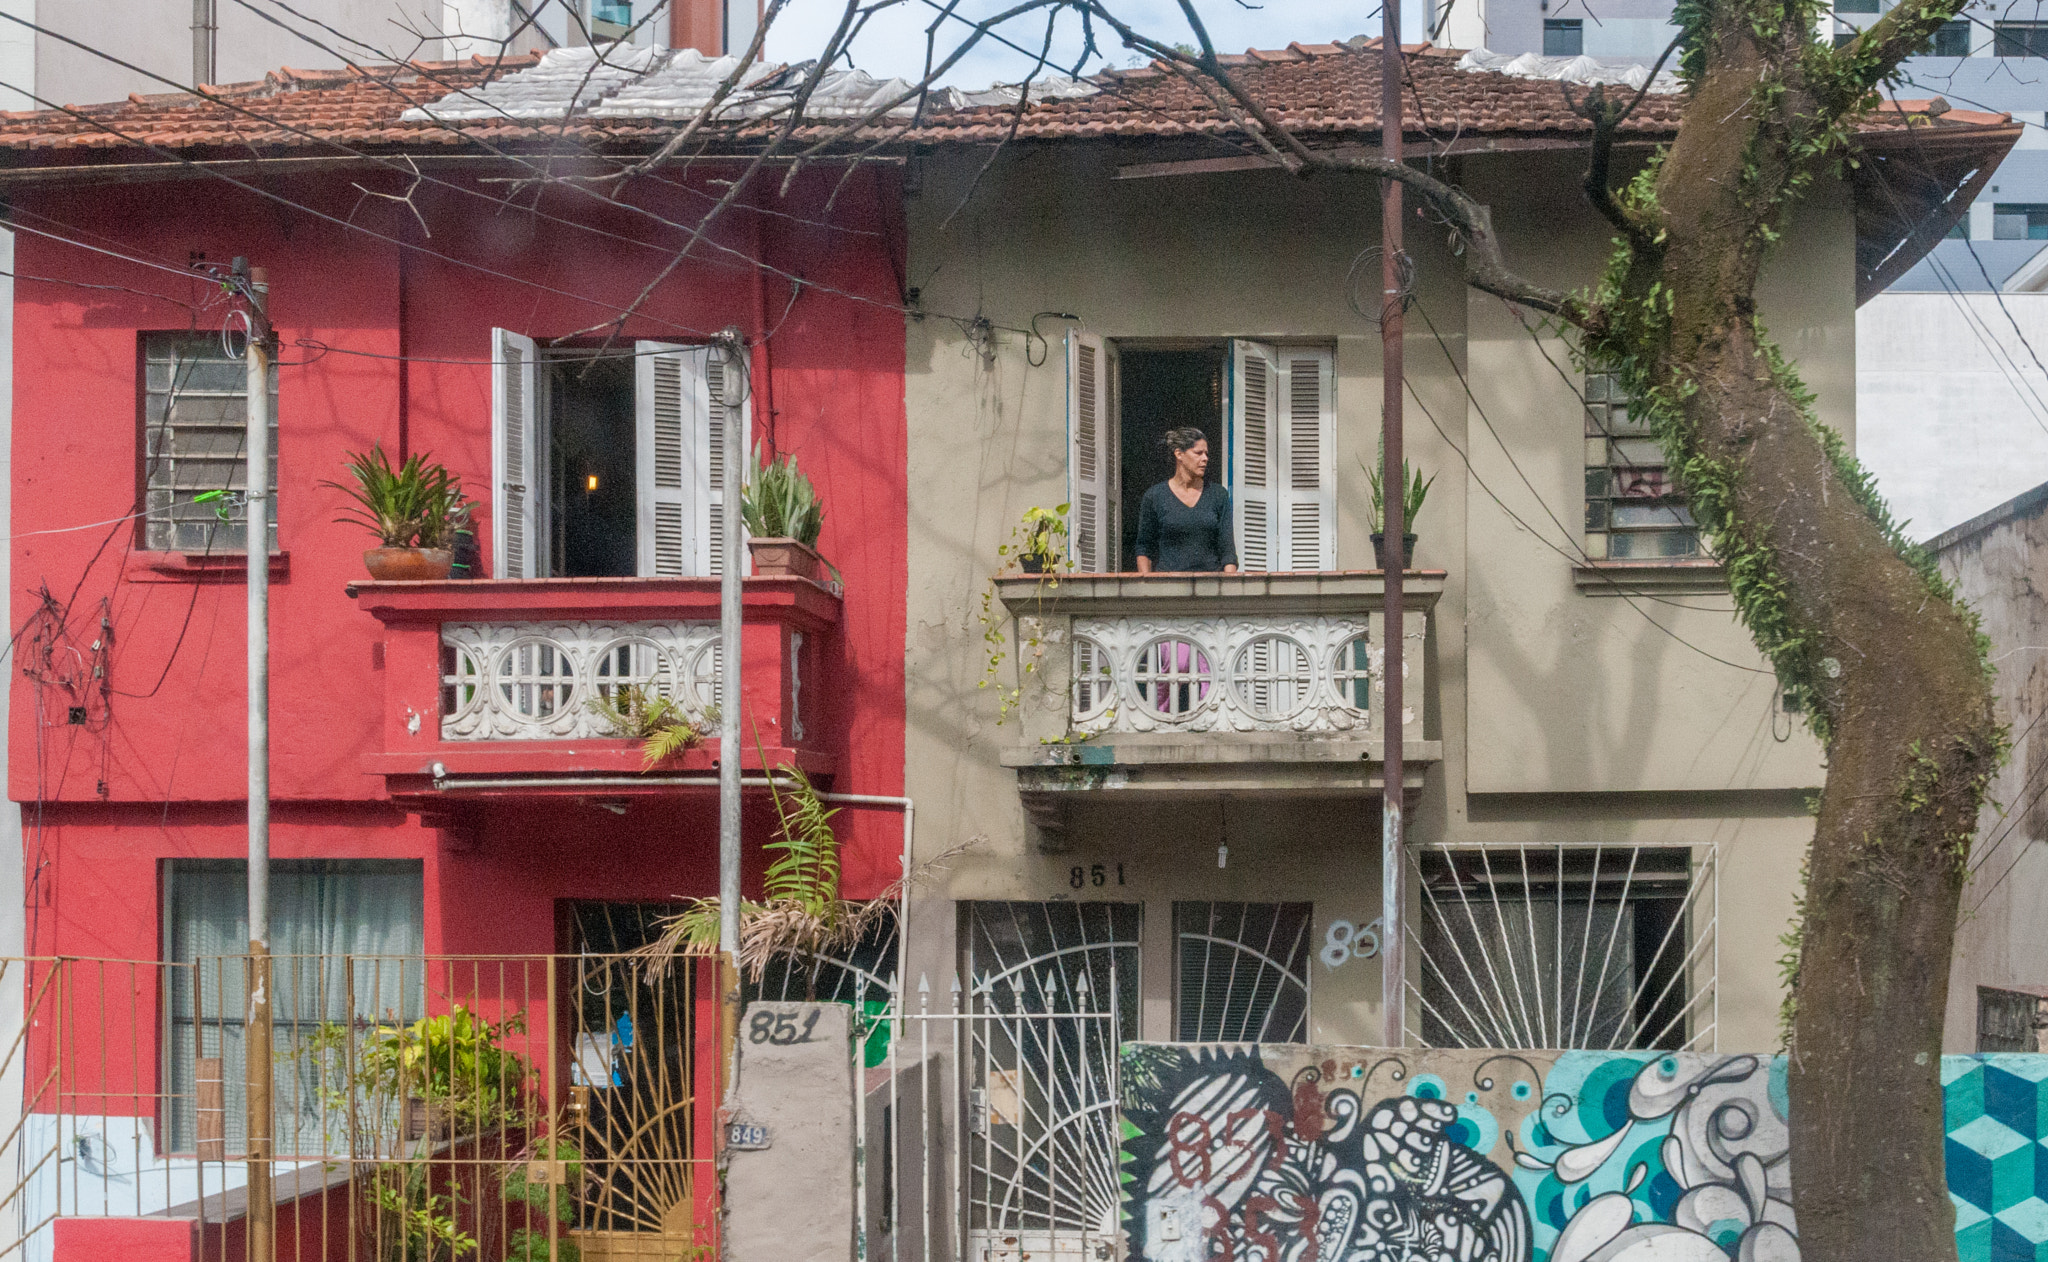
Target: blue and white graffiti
1306	1154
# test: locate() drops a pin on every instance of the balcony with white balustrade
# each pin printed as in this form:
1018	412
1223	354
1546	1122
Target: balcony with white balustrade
488	685
1217	683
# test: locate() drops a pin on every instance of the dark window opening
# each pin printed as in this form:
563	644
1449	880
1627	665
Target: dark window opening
2019	221
2019	39
1159	391
1552	947
1952	39
2009	1020
593	496
1564	37
1241	972
1856	6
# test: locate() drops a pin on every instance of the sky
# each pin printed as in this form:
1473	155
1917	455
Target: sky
893	43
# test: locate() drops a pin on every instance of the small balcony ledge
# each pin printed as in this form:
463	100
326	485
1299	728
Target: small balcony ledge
1278	592
1203	684
489	683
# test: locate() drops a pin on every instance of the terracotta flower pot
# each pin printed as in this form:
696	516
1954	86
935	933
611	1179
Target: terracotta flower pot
408	564
786	558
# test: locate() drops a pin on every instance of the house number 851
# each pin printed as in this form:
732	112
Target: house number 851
1097	874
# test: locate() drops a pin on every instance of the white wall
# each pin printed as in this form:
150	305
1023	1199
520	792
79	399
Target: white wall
1952	410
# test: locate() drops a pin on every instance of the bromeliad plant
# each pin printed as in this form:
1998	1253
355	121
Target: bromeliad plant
636	712
416	505
779	502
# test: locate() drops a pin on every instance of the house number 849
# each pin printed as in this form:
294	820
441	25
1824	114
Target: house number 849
1096	874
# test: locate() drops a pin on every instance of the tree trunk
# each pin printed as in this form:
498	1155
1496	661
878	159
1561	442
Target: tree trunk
1889	664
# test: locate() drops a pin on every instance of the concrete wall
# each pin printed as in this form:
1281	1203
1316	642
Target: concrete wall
2000	565
1567	718
1571	1155
1953	404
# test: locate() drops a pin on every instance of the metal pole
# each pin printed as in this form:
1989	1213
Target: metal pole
205	28
733	382
256	543
1394	484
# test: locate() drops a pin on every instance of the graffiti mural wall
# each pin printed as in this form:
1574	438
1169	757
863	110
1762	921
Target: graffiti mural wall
1344	1154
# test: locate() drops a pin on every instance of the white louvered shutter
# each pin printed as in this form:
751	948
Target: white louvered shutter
1255	469
1089	486
519	473
670	406
711	521
1308	487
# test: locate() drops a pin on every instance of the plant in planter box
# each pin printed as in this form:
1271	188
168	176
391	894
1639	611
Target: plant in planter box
1038	543
414	510
783	515
1414	490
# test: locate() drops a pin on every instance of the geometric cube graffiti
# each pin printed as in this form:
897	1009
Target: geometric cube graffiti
1996	1115
1292	1153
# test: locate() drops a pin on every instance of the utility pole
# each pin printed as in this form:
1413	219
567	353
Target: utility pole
733	391
205	41
262	1228
1393	494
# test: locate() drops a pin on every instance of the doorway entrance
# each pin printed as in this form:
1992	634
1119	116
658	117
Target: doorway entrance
1162	390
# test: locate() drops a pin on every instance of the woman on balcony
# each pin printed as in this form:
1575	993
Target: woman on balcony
1184	522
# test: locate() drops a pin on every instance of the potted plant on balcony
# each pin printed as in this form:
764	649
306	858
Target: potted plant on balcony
1414	491
783	515
413	510
1039	543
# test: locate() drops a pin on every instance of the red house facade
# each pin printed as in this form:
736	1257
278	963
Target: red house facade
442	789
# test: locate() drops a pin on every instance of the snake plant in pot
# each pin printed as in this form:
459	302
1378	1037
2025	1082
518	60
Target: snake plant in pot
783	515
1414	490
413	510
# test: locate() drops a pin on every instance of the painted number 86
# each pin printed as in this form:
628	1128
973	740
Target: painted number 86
1346	941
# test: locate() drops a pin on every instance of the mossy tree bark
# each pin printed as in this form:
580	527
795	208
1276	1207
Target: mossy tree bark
1856	622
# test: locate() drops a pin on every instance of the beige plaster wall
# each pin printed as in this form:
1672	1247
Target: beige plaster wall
1581	722
2002	939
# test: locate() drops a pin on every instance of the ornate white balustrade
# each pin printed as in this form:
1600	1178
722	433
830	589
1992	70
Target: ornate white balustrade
1303	673
535	680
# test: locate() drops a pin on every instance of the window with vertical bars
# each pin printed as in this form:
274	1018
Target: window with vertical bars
1635	508
195	421
1241	972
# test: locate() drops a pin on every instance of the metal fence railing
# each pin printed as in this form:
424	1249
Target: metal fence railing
523	1108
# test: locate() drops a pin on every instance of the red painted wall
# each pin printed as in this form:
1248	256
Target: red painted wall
129	1239
157	770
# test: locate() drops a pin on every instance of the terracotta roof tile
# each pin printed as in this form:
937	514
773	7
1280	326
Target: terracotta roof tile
1320	90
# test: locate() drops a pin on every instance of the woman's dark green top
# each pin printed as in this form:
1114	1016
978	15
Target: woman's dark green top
1180	539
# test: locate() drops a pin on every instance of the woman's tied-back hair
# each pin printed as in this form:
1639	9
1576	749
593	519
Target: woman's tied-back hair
1179	440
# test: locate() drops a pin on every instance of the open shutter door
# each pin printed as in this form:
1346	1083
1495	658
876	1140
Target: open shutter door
718	414
1255	456
1088	457
1308	492
518	473
670	422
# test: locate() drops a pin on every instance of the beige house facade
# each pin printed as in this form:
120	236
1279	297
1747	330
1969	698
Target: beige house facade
1172	784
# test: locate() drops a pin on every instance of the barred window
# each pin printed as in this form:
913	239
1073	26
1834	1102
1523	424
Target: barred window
1635	508
195	419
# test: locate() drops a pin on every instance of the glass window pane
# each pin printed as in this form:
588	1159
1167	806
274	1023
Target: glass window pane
194	411
322	913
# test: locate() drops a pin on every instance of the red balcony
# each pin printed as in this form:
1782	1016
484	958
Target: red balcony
487	684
